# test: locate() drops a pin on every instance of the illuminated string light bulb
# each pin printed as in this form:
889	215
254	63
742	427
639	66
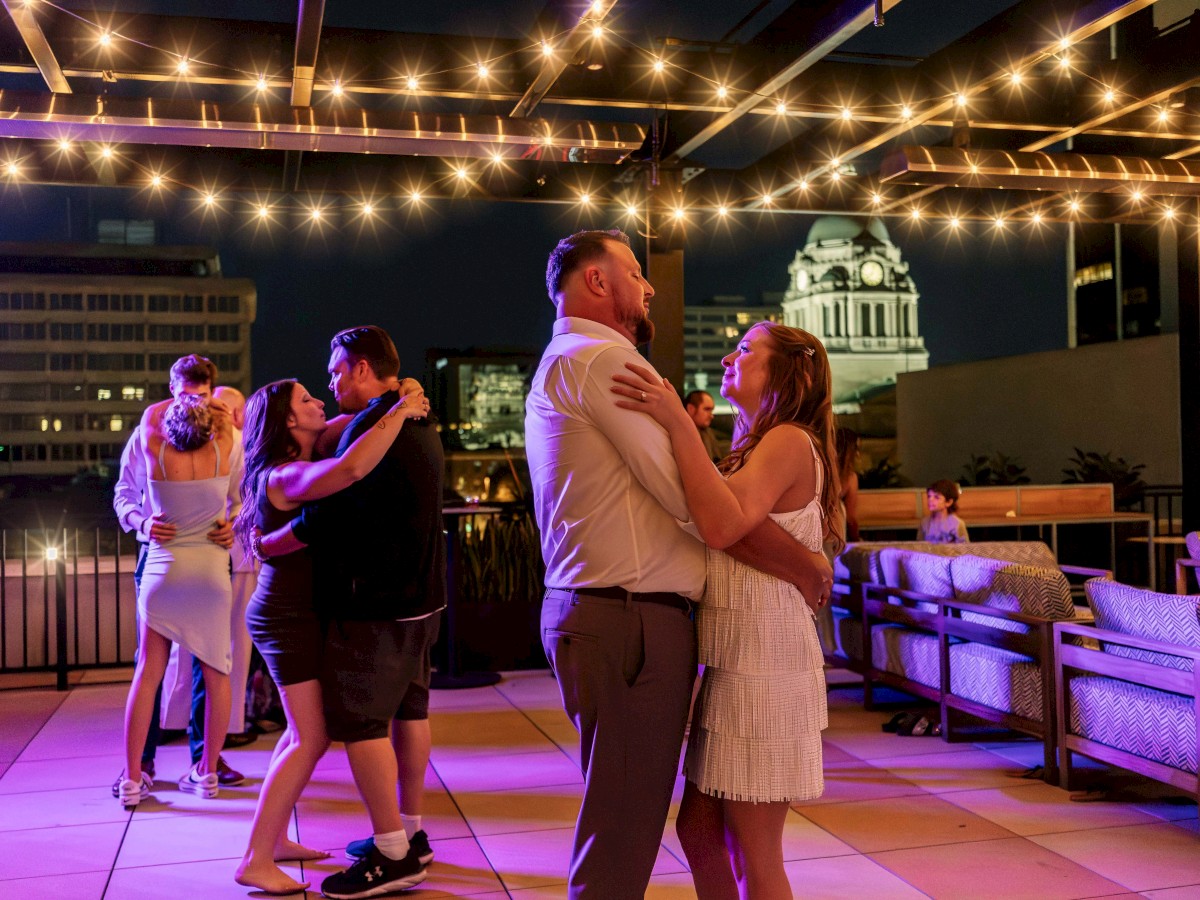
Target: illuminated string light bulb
547	50
1110	95
803	184
183	66
722	92
106	152
1015	78
767	199
105	38
847	114
876	199
678	214
1073	206
337	90
916	213
780	107
1037	218
497	158
597	31
1169	213
64	145
261	84
906	112
315	214
835	175
156	181
1136	196
460	173
263	212
412	82
415	196
722	210
481	70
209	199
1064	62
1064	43
998	221
954	222
368	209
631	211
11	169
659	65
597	7
585	199
960	99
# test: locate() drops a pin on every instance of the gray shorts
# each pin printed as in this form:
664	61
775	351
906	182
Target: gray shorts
373	672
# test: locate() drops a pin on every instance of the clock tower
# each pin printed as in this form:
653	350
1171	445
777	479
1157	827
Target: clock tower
850	287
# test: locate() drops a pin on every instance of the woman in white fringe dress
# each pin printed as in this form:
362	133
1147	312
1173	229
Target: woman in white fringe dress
755	742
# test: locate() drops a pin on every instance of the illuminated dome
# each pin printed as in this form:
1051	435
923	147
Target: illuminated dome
845	228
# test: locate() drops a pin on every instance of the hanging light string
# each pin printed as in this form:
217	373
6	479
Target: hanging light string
658	64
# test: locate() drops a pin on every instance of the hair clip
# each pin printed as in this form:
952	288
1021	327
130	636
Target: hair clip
809	351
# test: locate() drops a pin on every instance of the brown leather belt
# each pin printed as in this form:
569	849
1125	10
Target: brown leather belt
661	598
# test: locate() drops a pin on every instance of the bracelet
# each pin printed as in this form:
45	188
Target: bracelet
256	547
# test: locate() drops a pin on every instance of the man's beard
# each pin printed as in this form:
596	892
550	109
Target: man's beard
641	328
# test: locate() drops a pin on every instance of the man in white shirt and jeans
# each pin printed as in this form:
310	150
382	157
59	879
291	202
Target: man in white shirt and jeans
620	573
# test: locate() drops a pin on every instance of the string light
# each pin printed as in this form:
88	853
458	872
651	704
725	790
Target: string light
1064	62
12	169
597	31
64	145
1074	206
678	214
481	70
847	114
105	38
156	180
722	211
1163	116
916	213
835	175
315	214
461	173
876	199
781	107
412	82
960	99
1037	218
954	223
585	199
906	112
631	211
183	66
767	199
106	152
1110	95
547	50
803	184
1136	196
263	211
261	84
337	89
1064	43
998	222
659	65
722	92
209	199
1169	213
1015	78
415	196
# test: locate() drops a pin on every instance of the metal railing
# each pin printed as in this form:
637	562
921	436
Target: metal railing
66	600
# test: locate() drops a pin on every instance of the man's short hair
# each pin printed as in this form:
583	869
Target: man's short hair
372	344
193	369
693	398
576	251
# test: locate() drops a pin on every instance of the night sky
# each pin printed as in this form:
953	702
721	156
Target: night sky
471	274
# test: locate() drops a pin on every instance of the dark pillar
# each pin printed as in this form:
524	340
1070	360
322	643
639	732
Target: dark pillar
1189	366
665	272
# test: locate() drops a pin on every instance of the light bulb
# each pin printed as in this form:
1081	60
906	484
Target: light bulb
659	65
263	212
337	89
781	107
906	112
64	145
585	199
209	199
482	71
547	50
678	213
722	92
412	82
182	66
368	209
631	211
847	114
261	84
916	214
722	211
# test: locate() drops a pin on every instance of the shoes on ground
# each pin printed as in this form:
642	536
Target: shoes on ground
239	739
206	786
131	793
147	774
418	843
374	875
228	777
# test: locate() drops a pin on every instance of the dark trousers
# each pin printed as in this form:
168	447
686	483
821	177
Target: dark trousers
625	670
152	734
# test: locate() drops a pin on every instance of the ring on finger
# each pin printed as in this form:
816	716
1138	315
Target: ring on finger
643	393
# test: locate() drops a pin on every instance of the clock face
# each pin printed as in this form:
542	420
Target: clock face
871	273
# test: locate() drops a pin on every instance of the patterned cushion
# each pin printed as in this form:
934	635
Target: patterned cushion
1151	724
1032	590
997	678
912	570
1192	540
910	654
1171	618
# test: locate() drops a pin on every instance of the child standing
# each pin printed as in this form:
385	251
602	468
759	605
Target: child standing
942	526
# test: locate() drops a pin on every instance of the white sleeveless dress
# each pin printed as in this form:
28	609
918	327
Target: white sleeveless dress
187	591
756	729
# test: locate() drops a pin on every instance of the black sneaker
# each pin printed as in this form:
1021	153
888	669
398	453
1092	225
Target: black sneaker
374	875
419	844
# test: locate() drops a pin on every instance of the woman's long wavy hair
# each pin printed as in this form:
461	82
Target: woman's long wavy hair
269	442
799	391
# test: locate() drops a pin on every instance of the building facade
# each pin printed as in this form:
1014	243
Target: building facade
851	288
88	334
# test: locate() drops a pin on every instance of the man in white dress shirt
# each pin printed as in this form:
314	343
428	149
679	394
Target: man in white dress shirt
620	572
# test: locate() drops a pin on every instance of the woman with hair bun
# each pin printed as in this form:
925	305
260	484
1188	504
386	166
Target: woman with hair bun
186	593
755	742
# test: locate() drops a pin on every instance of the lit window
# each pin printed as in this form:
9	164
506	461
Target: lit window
103	394
116	423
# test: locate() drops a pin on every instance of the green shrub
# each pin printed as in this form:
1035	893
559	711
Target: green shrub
997	469
1094	468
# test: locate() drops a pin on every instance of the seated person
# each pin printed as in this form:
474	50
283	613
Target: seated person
942	526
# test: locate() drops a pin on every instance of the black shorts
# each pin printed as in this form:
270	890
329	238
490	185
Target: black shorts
373	672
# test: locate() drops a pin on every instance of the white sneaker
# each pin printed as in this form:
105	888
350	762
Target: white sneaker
205	786
131	793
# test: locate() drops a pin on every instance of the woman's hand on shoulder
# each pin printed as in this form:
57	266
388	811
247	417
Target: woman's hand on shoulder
643	391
